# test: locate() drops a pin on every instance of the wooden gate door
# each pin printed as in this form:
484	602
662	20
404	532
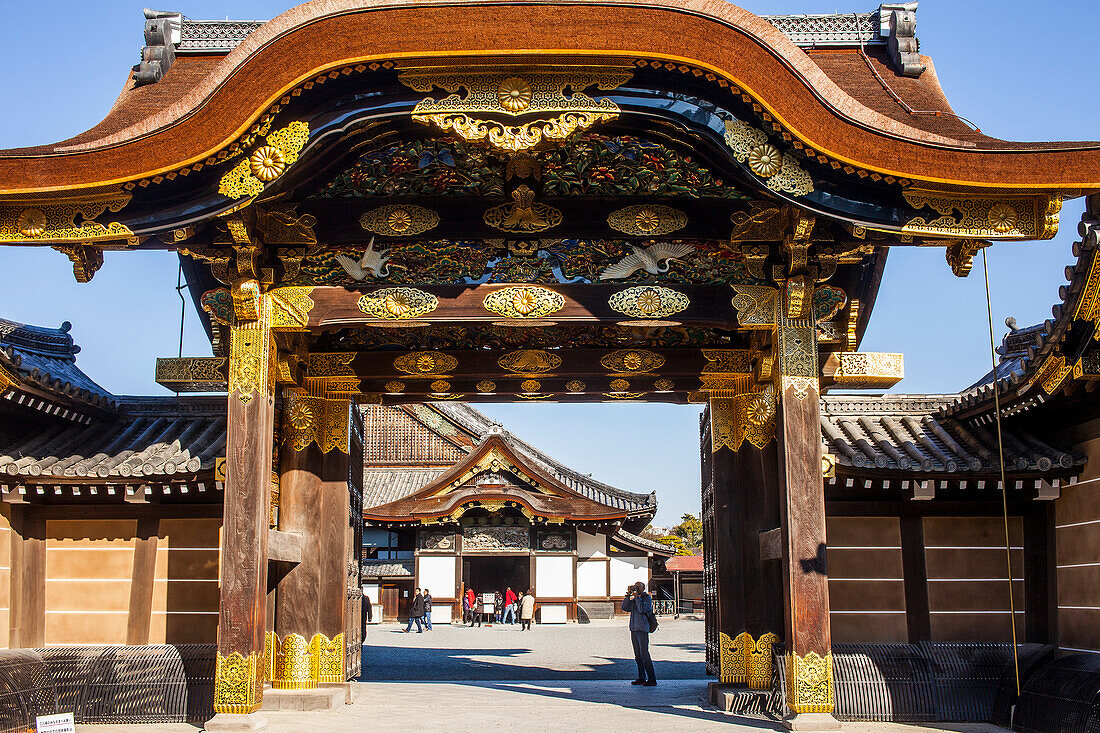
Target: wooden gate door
353	618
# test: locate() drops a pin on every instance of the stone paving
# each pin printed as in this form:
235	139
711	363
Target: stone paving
553	678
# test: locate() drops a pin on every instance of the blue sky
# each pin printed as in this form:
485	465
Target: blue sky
1020	70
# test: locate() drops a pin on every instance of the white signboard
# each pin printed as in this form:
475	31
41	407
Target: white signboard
55	723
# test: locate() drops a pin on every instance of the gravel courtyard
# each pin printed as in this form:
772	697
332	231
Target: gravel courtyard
597	651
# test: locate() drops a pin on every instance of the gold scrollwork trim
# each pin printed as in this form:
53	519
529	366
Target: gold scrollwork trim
867	370
254	172
810	683
251	355
648	301
647	220
331	365
524	302
399	220
398	304
56	220
1053	372
235	684
516	138
425	363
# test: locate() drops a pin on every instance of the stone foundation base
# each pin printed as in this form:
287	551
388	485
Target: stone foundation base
320	698
811	721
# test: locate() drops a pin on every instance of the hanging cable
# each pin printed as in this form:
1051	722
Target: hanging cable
1004	482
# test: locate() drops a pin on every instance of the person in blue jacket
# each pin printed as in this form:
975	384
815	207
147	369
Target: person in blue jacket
640	605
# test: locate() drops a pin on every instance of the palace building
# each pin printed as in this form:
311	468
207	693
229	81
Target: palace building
453	501
386	209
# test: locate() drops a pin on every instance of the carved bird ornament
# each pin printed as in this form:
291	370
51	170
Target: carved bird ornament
653	259
371	263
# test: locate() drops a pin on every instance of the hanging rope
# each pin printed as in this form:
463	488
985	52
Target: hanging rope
1004	482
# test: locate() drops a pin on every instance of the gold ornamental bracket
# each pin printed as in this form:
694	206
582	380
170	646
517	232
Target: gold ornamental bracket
558	100
193	373
863	370
983	216
64	219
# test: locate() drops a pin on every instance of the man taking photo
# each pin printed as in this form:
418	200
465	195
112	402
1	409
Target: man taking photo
642	624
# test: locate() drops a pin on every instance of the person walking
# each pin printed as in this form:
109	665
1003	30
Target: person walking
475	617
526	611
642	623
427	609
509	606
416	611
498	606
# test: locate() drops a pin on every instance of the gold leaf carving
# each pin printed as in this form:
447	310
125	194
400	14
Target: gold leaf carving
441	386
399	220
523	214
529	361
632	361
755	306
397	304
293	668
648	301
524	302
290	307
750	146
236	688
988	217
425	363
331	365
810	683
530	385
486	386
647	220
267	163
395	387
575	385
57	220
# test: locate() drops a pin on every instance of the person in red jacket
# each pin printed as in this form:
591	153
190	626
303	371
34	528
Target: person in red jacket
509	606
471	600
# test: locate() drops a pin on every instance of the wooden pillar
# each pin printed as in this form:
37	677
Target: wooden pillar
314	503
806	592
238	689
27	613
142	579
915	573
744	476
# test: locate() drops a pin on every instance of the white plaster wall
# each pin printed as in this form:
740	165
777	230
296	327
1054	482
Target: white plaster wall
592	578
553	613
441	614
591	545
437	574
554	576
373	592
627	571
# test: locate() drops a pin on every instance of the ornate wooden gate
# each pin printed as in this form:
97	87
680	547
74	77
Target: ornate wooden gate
353	618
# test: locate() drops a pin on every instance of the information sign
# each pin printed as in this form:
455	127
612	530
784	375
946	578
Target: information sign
63	723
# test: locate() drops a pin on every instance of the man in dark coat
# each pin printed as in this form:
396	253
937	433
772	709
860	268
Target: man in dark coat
416	612
427	610
640	605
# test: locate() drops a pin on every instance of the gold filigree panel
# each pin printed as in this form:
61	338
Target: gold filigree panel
780	171
631	361
328	656
648	301
866	370
727	361
398	304
647	220
188	374
524	302
290	307
323	422
741	413
755	306
529	361
331	365
63	220
253	173
732	667
294	667
760	662
810	683
251	357
1053	372
399	220
236	688
425	363
984	217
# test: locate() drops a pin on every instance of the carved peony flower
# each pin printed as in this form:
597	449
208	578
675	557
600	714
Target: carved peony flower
759	411
765	160
268	163
1002	217
649	302
395	387
399	220
530	385
575	385
31	222
633	361
619	385
301	416
524	302
514	94
647	220
397	304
